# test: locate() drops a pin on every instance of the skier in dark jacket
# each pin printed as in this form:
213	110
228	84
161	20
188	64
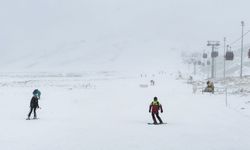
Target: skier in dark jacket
34	104
154	108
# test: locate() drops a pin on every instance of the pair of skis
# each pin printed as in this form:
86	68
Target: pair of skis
32	118
157	123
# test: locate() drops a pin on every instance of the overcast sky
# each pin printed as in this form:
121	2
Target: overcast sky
187	24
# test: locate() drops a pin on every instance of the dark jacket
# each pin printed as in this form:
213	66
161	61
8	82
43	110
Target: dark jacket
155	106
34	102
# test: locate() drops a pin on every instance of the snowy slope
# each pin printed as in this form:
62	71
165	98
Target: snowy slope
113	113
81	56
80	35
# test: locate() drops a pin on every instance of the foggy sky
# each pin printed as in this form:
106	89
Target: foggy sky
29	25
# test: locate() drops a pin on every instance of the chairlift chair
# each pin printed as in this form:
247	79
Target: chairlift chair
204	55
229	55
214	54
208	62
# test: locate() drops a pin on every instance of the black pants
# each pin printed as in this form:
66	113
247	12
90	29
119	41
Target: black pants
158	117
32	109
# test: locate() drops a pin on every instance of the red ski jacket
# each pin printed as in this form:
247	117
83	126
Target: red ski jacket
155	106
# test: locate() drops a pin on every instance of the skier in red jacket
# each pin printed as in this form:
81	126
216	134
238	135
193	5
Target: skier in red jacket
154	108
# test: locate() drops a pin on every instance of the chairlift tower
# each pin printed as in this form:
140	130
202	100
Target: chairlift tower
241	58
213	44
224	58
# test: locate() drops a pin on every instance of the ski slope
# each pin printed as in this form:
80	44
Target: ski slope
112	113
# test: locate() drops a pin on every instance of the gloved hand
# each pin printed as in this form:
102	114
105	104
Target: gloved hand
161	111
149	111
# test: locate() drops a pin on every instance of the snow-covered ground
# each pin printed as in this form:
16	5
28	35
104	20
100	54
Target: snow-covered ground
93	62
100	111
